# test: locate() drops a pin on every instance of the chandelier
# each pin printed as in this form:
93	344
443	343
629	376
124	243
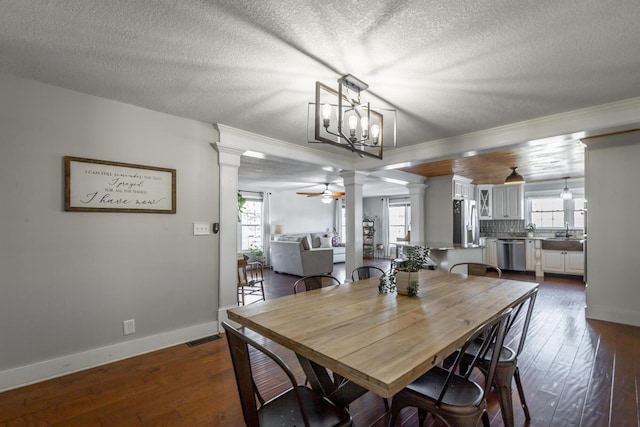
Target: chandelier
342	119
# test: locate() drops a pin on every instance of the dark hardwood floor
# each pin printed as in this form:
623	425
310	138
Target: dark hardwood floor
576	372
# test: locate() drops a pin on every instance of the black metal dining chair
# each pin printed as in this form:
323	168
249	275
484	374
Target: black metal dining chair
449	393
299	405
366	272
507	367
315	281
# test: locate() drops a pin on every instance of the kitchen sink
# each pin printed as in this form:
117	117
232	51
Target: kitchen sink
563	244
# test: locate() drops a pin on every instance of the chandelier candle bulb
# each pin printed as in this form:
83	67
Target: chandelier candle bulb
375	131
364	123
326	115
353	126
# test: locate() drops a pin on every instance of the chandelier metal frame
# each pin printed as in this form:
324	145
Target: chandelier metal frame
342	119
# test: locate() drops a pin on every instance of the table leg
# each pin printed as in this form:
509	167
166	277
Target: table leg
341	394
347	392
317	375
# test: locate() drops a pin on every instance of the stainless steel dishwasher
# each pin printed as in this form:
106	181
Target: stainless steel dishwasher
511	254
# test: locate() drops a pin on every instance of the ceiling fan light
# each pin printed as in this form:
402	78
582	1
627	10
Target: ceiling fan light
514	177
326	198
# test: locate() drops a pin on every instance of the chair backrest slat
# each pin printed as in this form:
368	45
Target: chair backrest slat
477	268
242	272
315	281
366	272
494	332
531	299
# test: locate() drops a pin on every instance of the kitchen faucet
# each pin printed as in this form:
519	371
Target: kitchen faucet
566	233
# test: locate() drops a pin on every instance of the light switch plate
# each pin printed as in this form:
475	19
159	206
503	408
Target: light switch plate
201	229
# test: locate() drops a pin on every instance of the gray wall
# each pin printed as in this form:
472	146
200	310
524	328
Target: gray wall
612	177
69	279
439	210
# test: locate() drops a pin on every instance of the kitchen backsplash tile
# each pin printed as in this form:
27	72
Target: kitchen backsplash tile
502	226
516	227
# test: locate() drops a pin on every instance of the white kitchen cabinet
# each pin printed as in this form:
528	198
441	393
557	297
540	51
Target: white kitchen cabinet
574	262
490	253
484	201
462	188
565	262
508	202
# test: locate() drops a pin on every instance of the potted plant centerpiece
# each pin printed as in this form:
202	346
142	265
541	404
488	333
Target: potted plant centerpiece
404	278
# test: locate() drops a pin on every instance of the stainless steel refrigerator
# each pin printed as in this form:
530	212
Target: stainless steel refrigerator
466	226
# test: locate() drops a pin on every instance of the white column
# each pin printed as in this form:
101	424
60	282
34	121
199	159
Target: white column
229	161
537	243
416	196
353	183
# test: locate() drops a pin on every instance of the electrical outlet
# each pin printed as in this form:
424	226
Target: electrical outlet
201	229
129	326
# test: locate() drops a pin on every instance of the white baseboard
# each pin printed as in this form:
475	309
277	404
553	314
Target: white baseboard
24	375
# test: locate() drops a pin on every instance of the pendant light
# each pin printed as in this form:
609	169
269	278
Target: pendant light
514	177
566	193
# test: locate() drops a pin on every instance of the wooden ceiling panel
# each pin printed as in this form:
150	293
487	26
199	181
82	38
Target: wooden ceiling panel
535	162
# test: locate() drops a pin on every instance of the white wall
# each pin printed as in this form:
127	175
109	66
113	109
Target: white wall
300	214
372	208
69	279
613	204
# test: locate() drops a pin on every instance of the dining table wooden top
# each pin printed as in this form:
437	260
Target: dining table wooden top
382	342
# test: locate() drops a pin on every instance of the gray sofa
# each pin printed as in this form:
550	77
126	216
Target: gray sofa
295	254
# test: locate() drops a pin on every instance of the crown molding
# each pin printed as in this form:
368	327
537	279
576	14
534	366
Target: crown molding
264	146
590	120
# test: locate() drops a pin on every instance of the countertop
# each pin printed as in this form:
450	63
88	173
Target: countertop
447	246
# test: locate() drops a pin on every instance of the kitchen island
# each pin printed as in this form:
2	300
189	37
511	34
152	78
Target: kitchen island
445	254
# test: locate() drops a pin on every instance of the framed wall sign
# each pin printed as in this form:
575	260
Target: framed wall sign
103	186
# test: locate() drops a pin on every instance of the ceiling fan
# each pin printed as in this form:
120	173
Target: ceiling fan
326	194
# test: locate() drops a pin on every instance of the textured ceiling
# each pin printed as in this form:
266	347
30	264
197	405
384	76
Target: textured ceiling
448	67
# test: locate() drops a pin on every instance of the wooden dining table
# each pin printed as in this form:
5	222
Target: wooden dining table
381	342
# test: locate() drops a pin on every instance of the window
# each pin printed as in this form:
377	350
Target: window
579	208
553	212
251	223
399	221
547	212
